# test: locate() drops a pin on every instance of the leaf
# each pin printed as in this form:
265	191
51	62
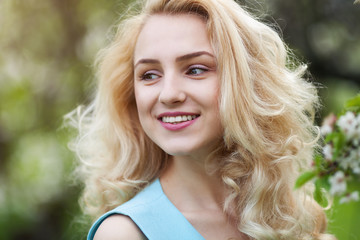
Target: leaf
338	140
355	101
339	143
353	104
324	182
330	137
304	178
318	160
319	194
355	109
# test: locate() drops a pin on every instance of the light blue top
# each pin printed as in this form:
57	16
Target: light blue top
155	215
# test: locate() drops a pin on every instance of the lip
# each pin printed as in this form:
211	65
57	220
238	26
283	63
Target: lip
172	114
178	126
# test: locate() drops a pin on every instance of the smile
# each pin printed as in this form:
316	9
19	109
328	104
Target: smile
178	119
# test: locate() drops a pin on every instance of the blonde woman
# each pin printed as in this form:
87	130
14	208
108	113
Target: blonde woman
198	130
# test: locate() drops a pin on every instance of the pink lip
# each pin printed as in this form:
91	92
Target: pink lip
171	114
178	126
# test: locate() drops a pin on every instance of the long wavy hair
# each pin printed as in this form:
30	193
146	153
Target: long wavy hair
266	108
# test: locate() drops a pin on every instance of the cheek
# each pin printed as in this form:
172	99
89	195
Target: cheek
139	102
212	97
144	103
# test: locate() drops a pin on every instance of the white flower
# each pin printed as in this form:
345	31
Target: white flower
356	169
348	124
325	129
351	161
328	124
345	162
357	119
356	141
354	196
348	157
357	129
338	183
327	151
355	166
346	120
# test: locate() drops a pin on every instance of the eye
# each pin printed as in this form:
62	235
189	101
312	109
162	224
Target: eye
149	76
196	70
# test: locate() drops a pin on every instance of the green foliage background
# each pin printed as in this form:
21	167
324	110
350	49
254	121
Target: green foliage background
47	50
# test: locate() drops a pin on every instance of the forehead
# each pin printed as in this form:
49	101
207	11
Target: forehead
175	34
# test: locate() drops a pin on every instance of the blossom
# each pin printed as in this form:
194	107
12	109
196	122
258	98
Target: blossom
354	196
328	124
338	183
325	129
355	167
351	160
339	162
349	124
327	151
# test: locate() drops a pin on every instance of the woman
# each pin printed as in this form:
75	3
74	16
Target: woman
198	130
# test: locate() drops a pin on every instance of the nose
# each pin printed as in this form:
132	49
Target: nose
172	91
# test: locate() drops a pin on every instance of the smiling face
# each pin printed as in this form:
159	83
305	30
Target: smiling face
176	85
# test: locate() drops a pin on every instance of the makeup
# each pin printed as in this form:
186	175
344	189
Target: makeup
174	121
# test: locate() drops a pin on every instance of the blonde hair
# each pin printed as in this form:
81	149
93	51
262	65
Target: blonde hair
266	109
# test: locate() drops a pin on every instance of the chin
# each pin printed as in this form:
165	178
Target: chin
189	150
178	152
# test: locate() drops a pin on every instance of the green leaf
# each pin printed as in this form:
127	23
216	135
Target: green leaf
304	178
338	142
324	182
319	160
331	136
353	109
319	194
353	104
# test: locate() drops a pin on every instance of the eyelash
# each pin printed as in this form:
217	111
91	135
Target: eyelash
149	75
146	75
192	68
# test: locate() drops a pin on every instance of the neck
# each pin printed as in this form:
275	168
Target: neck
190	187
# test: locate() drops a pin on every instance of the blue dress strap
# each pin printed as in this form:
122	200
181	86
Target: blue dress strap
155	215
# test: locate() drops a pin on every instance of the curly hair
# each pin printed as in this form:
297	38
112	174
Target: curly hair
266	107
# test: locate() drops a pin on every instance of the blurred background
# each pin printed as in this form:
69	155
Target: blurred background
47	51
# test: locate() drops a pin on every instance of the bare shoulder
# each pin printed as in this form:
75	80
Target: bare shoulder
118	227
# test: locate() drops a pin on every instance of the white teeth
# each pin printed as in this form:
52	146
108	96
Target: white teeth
178	119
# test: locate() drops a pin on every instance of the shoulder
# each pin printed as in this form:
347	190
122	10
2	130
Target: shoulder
118	227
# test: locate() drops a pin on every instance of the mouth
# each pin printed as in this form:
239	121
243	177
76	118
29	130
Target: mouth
177	119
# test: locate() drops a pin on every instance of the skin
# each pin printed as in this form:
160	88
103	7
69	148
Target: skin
180	77
175	71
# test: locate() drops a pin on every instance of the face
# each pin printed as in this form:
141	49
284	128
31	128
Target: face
176	85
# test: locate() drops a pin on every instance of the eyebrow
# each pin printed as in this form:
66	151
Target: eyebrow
178	59
192	55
